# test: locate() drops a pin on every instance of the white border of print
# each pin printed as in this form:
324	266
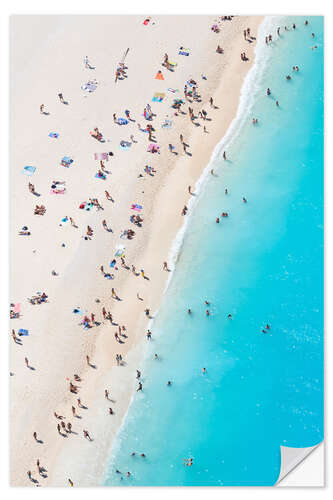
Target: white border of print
319	7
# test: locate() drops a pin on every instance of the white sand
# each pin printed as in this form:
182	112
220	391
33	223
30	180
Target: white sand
47	58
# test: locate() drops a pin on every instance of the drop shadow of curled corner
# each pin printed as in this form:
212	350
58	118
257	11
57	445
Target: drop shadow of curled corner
291	458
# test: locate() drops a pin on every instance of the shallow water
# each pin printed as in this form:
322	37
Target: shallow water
263	264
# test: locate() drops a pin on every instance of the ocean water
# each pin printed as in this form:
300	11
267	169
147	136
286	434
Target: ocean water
263	264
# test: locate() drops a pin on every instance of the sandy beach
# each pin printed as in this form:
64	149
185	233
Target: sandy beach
51	61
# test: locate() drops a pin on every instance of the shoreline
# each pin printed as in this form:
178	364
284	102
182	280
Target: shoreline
100	346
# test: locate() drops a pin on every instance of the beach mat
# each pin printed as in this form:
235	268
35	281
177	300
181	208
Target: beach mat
158	97
28	170
23	332
66	161
125	145
101	156
119	251
136	207
153	148
167	124
54	191
159	76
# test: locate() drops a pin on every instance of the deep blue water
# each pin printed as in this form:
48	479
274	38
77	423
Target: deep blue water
263	264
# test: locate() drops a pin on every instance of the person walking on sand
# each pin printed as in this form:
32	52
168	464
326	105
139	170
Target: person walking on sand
61	98
15	338
58	427
106	394
88	360
139	387
165	266
108	196
74	411
35	436
189	190
41	109
70	482
59	417
211	102
26	362
224	155
69	427
86	435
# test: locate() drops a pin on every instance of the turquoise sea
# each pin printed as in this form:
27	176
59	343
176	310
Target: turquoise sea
263	265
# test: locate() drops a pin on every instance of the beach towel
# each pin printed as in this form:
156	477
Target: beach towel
22	331
28	170
54	135
77	310
17	308
119	251
125	145
100	176
146	21
153	148
58	191
172	64
122	121
184	52
65	219
158	97
167	124
101	156
136	207
85	205
89	86
173	90
159	76
191	83
66	161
